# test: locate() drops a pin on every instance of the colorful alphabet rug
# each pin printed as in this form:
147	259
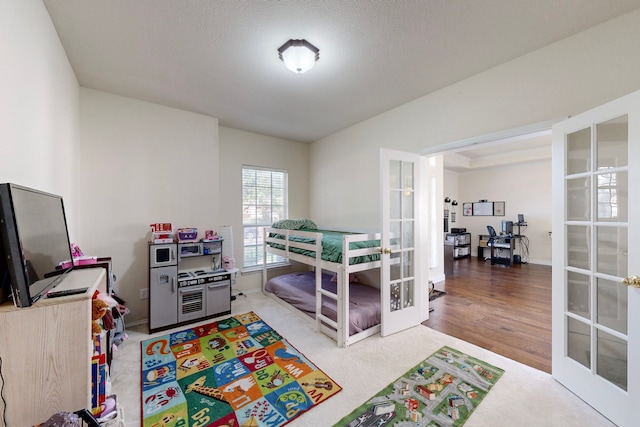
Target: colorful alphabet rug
443	390
234	372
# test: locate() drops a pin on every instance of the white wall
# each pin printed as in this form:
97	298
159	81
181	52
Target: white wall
525	189
435	208
122	187
39	118
560	80
142	163
451	186
239	148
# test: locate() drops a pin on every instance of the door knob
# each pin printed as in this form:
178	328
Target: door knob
631	281
386	251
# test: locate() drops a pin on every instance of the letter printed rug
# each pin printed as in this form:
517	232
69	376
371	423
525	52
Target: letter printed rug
235	372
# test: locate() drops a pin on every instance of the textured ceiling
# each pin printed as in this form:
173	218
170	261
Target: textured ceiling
219	57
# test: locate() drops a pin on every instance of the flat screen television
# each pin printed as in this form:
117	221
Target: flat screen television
5	287
35	240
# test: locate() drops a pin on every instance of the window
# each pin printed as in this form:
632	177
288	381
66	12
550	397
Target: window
608	195
264	201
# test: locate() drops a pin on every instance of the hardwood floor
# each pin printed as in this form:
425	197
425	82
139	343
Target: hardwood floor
505	310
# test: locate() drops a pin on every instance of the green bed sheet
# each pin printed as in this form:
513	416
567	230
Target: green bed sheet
331	246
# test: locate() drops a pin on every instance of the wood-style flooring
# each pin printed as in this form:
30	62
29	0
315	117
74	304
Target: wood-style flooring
504	309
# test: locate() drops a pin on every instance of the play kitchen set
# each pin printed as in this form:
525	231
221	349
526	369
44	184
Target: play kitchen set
189	279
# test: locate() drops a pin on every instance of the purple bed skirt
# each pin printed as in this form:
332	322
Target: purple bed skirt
298	289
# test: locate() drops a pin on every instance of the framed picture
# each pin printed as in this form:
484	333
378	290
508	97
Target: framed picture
483	208
498	208
467	209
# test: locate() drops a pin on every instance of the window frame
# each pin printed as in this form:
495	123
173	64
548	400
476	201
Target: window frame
255	226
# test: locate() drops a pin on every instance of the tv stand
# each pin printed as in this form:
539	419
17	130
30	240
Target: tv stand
46	352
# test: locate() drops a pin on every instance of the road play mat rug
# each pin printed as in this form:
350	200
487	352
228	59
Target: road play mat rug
443	390
234	372
436	294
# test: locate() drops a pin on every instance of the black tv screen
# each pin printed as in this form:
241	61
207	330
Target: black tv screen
5	287
35	240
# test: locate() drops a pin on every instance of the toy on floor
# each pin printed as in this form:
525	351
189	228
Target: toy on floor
79	418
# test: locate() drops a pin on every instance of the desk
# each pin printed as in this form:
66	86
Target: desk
503	244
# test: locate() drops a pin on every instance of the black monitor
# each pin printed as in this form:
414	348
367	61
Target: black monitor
35	240
507	227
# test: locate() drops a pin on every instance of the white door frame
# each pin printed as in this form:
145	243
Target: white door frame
495	138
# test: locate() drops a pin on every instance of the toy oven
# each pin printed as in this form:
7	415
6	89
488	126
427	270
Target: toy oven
191	303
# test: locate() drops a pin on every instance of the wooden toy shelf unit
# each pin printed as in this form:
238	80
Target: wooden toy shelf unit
47	351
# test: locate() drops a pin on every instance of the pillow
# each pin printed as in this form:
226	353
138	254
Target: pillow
295	224
353	278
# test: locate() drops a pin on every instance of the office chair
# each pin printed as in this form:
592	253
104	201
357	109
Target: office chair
493	237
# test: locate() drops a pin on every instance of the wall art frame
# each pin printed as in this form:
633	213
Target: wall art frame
483	208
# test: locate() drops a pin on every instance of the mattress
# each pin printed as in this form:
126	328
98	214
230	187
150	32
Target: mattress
298	289
331	246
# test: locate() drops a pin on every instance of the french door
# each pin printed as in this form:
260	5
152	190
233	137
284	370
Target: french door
596	254
402	288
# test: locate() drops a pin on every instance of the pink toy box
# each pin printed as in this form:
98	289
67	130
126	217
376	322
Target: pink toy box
81	260
228	263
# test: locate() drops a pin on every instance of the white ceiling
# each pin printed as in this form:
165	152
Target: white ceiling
527	148
219	57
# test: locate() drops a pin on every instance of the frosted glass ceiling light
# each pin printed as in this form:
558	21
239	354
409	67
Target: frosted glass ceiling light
298	55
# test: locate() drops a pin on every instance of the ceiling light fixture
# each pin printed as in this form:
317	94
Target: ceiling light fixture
298	56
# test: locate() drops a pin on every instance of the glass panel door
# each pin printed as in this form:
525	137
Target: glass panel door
400	302
596	223
595	332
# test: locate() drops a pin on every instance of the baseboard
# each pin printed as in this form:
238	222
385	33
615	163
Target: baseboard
138	322
540	262
531	261
438	282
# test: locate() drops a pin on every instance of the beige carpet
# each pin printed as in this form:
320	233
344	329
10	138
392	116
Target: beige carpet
523	397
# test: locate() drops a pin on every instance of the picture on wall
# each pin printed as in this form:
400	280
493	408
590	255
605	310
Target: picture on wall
483	208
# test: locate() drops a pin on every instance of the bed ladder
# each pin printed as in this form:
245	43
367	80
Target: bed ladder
341	297
322	320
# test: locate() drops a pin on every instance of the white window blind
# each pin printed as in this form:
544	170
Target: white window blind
264	201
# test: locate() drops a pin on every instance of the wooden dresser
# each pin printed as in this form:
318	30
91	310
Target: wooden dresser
46	352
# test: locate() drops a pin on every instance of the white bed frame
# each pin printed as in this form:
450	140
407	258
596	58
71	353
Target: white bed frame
338	330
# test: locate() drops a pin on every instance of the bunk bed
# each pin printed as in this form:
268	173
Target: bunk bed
343	309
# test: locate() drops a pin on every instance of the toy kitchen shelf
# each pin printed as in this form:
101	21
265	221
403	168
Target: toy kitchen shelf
461	244
187	283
